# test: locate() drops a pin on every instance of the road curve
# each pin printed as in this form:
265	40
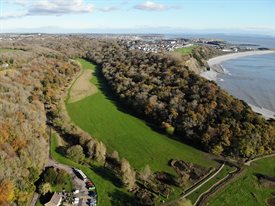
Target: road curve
212	176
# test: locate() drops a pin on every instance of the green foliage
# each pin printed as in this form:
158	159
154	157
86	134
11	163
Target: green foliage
50	176
45	188
75	153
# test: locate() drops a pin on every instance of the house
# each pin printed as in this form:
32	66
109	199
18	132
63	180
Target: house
55	200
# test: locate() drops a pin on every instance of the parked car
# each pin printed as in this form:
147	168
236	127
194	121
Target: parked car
92	194
92	202
91	188
76	191
76	201
90	184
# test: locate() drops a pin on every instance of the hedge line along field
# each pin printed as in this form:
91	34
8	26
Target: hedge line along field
108	193
99	115
247	190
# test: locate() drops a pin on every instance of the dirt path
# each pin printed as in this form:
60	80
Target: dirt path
259	158
82	87
204	182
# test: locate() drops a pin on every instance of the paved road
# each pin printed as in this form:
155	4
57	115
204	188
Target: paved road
53	163
34	199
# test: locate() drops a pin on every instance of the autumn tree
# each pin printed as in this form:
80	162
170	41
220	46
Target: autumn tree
100	152
6	192
128	174
145	173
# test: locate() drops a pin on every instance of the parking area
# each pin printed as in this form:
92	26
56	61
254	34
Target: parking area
85	193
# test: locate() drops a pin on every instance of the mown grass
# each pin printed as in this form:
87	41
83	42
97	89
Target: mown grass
108	193
185	50
131	137
6	50
246	190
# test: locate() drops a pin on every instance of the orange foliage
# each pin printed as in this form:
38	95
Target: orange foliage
6	192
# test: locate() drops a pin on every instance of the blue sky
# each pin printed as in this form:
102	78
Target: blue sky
164	16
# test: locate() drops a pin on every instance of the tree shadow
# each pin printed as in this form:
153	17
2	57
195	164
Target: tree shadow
107	174
61	150
119	198
45	198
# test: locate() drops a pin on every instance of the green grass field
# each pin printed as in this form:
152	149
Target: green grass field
185	50
130	136
6	50
246	190
108	193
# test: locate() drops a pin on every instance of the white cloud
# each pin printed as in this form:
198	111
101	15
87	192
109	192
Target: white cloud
11	16
53	7
18	2
108	9
59	7
151	6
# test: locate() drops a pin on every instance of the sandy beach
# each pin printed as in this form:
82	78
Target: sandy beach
220	59
214	62
215	69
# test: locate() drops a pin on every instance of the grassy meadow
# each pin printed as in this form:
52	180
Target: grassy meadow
6	50
246	190
99	115
185	50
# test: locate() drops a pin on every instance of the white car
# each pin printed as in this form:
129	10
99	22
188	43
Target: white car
76	192
76	200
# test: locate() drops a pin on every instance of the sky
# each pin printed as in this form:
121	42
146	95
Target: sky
138	16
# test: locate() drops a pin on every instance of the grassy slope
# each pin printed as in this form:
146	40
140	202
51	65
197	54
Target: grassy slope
246	190
6	50
185	50
130	136
106	190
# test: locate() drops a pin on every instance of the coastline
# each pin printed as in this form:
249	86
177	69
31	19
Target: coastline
222	58
216	68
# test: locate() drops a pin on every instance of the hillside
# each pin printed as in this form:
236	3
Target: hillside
163	90
31	82
156	91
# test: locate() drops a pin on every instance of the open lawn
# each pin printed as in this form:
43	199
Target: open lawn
99	115
246	189
6	50
185	50
108	193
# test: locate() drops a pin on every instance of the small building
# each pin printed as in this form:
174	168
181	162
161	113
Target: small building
55	200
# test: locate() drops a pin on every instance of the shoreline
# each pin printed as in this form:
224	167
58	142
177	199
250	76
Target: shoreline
216	68
222	58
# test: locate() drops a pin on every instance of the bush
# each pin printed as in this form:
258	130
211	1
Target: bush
75	153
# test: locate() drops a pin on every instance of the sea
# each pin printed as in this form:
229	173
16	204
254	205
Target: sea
250	78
